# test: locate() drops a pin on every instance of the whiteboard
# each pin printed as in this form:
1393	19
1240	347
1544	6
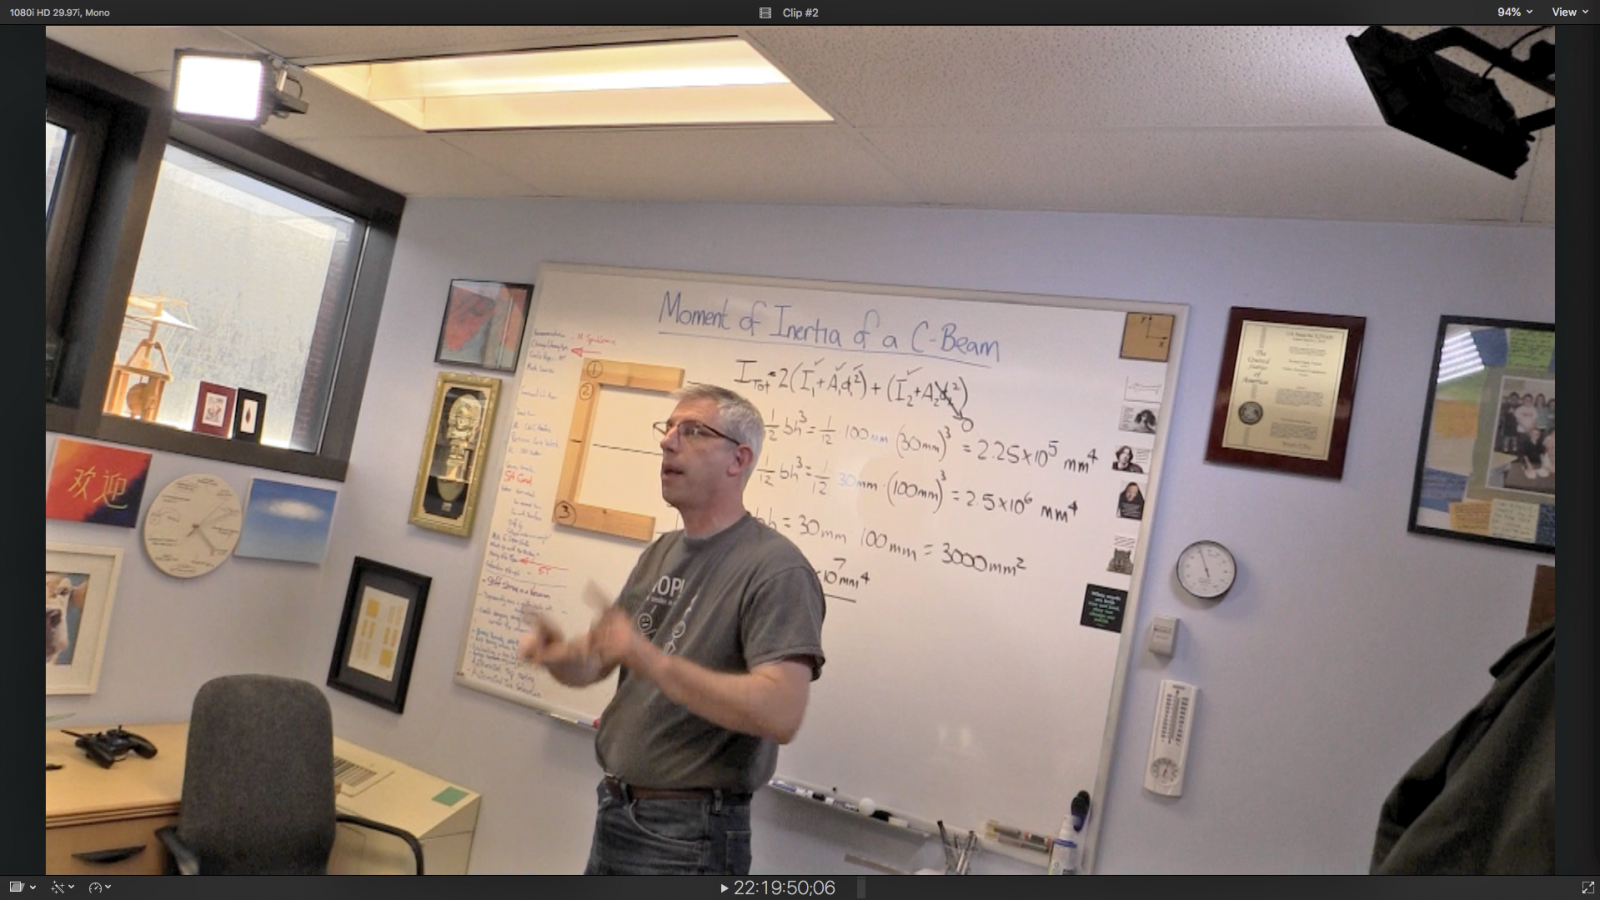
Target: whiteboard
945	461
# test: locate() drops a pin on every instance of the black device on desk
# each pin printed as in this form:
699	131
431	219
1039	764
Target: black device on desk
106	747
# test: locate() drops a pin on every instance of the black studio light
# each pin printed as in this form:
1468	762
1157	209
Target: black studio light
1432	98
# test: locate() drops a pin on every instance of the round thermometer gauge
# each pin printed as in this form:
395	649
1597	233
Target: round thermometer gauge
1206	569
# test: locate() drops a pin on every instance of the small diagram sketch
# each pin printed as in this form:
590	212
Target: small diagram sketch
1142	391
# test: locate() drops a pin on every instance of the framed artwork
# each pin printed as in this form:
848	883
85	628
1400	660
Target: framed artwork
1486	466
213	409
377	640
95	483
249	409
446	493
483	324
79	584
287	521
1285	391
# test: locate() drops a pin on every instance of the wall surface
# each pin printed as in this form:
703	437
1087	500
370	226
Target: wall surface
1346	648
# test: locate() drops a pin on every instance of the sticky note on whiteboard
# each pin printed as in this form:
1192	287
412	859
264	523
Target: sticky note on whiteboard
1147	336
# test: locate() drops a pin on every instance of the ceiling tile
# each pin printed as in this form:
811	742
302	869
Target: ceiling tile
1367	174
1075	77
419	166
793	164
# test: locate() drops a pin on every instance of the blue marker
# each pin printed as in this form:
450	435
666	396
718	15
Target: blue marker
1080	816
1080	810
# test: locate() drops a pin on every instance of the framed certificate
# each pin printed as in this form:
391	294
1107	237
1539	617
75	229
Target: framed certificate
1285	391
377	642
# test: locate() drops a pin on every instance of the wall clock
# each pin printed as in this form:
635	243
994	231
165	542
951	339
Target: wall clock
193	525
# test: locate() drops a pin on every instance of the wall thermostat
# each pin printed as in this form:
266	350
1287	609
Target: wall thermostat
1163	635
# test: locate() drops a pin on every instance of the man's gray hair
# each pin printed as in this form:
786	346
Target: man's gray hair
739	417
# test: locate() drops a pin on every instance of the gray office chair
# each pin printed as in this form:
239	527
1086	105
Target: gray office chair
258	791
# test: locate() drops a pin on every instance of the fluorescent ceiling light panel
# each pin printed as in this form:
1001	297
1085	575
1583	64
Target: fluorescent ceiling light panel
719	81
222	86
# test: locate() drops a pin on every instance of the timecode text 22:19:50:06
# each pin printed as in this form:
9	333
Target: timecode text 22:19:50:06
784	887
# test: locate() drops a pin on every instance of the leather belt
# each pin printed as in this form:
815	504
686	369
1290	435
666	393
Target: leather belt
627	792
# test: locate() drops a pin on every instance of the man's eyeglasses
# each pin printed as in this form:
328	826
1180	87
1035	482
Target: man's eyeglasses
691	430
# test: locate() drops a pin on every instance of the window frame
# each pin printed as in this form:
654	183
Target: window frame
76	177
139	129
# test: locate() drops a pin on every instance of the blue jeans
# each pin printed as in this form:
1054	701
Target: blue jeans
670	837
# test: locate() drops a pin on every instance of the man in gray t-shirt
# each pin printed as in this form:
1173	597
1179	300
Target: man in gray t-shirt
719	635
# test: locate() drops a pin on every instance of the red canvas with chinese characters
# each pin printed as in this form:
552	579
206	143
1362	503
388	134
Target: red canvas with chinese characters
95	483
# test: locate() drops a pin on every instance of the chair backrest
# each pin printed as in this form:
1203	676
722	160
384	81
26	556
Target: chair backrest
258	791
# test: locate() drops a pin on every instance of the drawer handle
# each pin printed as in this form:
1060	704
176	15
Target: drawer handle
106	857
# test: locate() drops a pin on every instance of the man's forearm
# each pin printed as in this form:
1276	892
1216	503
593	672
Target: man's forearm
768	702
578	671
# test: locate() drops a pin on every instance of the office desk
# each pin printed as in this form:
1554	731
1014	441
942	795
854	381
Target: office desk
102	821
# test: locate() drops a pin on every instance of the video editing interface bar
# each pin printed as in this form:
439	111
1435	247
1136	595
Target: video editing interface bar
844	887
817	12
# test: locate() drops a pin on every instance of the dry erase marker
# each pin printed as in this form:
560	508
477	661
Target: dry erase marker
797	790
1017	835
883	815
1018	844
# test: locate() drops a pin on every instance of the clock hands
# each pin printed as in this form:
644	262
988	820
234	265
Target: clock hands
213	514
205	537
199	527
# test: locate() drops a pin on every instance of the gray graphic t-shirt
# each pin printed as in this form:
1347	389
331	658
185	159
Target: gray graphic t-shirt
730	602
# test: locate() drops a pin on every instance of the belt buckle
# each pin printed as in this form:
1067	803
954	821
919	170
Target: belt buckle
618	789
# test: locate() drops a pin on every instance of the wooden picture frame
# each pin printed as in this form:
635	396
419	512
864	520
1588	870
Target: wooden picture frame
1486	460
1285	391
249	415
80	583
483	324
445	497
598	375
377	641
213	409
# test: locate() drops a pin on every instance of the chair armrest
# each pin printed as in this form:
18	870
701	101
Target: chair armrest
401	833
184	858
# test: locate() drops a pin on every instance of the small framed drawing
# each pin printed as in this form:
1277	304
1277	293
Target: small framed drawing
249	411
446	493
79	584
1284	395
213	409
377	640
1486	467
483	324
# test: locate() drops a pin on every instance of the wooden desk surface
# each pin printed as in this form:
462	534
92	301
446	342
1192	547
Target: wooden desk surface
82	792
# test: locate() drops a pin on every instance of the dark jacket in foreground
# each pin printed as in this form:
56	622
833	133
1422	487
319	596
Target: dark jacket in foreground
1482	799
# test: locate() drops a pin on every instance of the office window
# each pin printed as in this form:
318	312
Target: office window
239	284
253	264
74	138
